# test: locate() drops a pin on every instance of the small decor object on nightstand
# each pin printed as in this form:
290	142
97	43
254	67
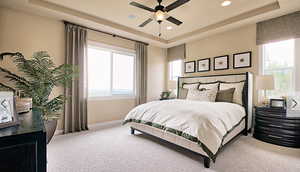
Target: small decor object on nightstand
8	115
277	103
165	95
203	65
190	67
221	62
242	60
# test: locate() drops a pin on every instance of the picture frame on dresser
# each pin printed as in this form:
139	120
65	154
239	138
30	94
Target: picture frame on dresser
203	65
190	67
242	60
221	62
8	113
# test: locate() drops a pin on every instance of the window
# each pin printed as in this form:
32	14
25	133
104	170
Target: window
279	61
111	71
175	69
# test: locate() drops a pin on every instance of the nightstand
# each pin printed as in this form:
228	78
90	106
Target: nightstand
273	126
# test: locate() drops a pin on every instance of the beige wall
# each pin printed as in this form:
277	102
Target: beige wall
226	43
28	33
157	72
25	33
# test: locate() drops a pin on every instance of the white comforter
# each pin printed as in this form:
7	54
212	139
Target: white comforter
209	122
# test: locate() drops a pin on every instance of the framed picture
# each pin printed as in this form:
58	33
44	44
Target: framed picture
203	65
8	114
242	60
190	67
277	103
221	62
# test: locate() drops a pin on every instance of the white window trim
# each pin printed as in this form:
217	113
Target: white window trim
117	50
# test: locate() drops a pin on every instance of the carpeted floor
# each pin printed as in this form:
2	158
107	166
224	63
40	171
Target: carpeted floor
113	149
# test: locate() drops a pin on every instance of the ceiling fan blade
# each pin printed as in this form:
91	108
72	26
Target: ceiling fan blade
173	20
141	6
176	4
146	22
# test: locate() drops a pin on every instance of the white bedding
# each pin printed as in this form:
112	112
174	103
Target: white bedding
204	122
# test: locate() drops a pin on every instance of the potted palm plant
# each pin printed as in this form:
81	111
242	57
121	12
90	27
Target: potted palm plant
39	77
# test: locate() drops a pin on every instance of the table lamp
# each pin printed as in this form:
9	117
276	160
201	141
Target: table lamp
265	82
172	86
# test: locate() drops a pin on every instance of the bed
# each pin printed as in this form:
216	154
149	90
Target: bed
202	127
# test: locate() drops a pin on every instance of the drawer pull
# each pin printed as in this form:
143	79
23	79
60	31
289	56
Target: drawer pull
278	137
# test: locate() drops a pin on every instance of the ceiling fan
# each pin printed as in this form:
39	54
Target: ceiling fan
161	12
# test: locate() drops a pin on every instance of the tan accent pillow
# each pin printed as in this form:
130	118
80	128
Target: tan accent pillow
182	93
238	92
206	95
225	95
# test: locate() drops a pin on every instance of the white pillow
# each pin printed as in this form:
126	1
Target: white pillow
190	85
238	92
209	86
206	95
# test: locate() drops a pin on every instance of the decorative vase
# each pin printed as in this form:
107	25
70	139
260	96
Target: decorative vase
50	126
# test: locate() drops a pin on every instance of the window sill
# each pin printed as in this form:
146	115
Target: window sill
112	98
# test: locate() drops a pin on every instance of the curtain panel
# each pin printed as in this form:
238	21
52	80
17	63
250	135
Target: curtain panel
176	53
141	72
278	29
75	116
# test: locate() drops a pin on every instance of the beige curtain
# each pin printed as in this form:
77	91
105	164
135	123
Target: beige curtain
141	73
278	29
75	117
176	53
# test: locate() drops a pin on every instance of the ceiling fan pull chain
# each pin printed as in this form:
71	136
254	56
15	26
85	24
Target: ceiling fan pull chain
159	35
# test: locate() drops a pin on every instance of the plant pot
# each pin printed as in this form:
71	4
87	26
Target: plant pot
50	129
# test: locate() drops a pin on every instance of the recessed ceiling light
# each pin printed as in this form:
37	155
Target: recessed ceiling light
169	27
226	3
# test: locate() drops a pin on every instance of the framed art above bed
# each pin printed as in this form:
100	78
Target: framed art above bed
242	60
203	65
190	67
221	62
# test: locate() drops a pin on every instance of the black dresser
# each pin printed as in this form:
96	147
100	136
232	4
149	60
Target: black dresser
23	148
273	126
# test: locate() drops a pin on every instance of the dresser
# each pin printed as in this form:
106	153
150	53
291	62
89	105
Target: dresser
273	126
23	147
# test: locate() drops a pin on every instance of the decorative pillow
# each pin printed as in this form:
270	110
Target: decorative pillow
190	85
238	92
183	93
209	86
206	95
225	95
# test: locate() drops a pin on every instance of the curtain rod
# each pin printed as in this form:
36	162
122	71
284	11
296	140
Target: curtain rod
113	35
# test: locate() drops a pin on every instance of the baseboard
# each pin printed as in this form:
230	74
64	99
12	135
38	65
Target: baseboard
94	126
105	124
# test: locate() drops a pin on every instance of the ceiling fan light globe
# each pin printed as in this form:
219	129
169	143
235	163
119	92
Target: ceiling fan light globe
160	15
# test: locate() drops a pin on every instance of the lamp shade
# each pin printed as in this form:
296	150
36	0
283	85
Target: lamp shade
172	85
265	82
